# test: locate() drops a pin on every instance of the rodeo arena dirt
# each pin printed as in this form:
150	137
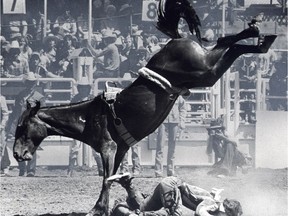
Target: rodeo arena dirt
181	100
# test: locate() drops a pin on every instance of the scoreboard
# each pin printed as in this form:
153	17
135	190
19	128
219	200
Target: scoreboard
149	10
14	7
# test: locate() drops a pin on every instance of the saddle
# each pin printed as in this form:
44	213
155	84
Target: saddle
109	96
111	92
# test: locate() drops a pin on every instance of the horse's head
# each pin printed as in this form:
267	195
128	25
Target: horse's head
29	134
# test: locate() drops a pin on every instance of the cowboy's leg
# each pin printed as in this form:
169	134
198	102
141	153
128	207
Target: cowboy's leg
31	165
5	161
136	159
22	168
159	150
98	160
228	158
124	167
172	133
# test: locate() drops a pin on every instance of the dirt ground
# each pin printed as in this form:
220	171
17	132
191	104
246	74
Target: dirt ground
261	191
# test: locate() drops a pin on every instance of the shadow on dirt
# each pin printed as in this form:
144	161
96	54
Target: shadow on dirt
70	214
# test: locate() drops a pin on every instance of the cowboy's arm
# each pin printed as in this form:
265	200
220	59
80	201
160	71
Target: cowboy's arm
5	112
226	139
206	206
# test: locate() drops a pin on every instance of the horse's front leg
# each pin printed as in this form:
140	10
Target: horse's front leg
102	205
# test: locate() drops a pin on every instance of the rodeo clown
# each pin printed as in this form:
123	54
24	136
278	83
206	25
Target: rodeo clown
169	197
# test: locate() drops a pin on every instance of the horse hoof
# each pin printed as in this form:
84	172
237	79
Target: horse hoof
266	42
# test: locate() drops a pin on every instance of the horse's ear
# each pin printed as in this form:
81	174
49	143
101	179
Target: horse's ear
35	109
28	105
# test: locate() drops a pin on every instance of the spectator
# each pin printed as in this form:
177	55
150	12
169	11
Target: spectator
110	21
82	26
15	25
14	65
30	94
84	89
226	149
153	46
111	56
49	56
39	69
169	197
248	79
25	49
66	23
173	123
278	86
66	47
4	157
136	167
124	17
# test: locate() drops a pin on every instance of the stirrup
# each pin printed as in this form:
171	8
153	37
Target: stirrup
119	176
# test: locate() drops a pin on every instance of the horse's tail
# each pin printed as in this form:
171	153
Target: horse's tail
169	14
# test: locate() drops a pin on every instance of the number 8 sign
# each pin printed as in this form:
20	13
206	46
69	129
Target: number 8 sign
149	10
14	7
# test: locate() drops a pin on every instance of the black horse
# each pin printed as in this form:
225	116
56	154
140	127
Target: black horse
112	125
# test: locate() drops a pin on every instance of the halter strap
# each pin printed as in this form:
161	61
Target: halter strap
162	81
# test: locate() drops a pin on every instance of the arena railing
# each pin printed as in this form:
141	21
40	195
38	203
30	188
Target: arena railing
11	92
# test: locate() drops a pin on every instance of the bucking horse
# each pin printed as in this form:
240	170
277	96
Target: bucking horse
111	125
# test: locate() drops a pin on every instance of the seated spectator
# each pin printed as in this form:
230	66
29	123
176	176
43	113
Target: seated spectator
65	48
48	58
14	25
153	46
111	56
25	49
82	26
39	69
66	23
14	65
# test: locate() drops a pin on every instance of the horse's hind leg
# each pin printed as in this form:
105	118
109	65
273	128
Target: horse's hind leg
228	41
234	52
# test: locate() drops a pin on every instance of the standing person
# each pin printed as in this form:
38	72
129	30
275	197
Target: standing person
169	197
136	167
4	157
30	94
84	89
173	123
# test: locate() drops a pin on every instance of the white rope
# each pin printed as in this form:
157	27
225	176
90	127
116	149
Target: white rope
161	81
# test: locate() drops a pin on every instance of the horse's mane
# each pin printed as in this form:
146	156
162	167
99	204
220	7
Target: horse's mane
169	14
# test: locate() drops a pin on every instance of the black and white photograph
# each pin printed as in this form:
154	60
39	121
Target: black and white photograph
144	108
